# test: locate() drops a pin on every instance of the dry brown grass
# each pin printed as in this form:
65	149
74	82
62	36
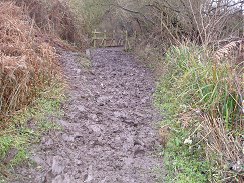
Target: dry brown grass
227	146
233	49
27	64
56	19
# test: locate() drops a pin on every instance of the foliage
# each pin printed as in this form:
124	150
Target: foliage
29	93
56	19
194	92
204	85
91	12
27	63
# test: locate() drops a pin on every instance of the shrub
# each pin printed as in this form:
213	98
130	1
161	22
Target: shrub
54	18
27	64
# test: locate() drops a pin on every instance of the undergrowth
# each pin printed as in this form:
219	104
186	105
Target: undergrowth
90	12
202	102
30	79
27	63
27	127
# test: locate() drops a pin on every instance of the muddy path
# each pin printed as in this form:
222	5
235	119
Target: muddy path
109	128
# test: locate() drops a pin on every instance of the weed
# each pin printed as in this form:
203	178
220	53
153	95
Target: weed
201	100
28	125
5	144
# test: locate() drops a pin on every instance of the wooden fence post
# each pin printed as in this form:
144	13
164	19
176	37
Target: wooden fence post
113	39
127	42
94	38
105	38
126	37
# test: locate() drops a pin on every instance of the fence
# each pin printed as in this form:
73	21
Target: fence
105	39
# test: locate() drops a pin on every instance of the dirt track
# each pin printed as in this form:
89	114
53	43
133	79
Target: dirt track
109	125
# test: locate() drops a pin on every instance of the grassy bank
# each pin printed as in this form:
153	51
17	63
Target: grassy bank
28	126
30	84
202	98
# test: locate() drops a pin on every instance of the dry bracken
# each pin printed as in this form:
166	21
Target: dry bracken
27	63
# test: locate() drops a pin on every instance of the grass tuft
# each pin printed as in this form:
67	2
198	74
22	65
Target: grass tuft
28	126
202	100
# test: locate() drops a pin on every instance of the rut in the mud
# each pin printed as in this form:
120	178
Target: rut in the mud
109	131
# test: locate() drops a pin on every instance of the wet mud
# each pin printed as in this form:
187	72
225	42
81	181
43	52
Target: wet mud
109	125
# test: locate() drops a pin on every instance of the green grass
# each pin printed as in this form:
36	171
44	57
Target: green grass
192	82
185	163
29	125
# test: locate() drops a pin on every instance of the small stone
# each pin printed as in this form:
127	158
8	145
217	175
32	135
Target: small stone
238	167
78	71
88	178
49	142
103	100
57	165
78	162
68	138
118	114
144	100
71	115
39	167
37	160
128	162
93	117
88	53
139	150
43	179
95	128
81	108
77	176
77	135
188	141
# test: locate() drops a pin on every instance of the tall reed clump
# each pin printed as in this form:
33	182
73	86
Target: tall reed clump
203	97
27	64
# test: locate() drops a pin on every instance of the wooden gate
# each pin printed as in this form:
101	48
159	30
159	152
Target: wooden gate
114	39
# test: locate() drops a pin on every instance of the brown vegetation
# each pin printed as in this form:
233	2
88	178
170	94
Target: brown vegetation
27	63
56	19
29	29
172	21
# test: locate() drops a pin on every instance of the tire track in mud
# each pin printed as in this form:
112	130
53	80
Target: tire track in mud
109	124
